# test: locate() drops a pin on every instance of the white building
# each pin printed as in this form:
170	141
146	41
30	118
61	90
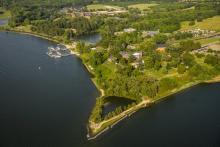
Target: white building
129	30
138	55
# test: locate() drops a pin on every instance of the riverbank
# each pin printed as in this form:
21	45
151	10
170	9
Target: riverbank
99	128
214	80
68	46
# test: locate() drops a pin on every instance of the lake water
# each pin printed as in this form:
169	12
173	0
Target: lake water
3	22
112	102
46	102
90	39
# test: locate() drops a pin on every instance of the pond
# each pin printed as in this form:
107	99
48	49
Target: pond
90	38
113	102
3	22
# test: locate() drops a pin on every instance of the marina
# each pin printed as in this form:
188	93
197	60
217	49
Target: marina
58	51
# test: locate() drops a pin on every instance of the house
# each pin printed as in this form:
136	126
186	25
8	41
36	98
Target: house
87	14
138	55
131	47
129	30
136	64
93	48
153	33
112	58
124	54
199	32
118	33
161	49
150	33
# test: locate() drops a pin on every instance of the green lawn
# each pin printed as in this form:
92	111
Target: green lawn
207	24
5	15
102	7
208	40
142	7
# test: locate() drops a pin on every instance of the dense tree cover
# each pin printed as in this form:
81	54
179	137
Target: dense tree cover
97	58
212	60
49	20
181	68
182	35
189	45
22	15
68	27
9	3
132	87
167	17
166	84
188	59
96	115
160	39
118	110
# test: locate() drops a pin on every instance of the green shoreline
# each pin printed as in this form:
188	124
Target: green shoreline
31	33
107	124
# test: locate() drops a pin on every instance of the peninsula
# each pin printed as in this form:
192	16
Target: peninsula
148	51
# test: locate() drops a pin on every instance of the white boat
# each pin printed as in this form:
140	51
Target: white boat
58	51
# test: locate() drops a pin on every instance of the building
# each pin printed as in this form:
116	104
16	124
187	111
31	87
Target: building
129	30
93	48
112	58
150	33
118	33
161	49
138	55
131	47
136	64
124	54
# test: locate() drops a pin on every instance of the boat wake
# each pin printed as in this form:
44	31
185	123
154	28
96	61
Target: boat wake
58	51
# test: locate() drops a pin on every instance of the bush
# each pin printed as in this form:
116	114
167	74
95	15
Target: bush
167	84
160	39
199	72
181	69
192	23
189	45
212	60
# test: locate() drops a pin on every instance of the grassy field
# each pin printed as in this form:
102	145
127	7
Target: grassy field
207	24
208	40
142	7
215	47
6	14
102	7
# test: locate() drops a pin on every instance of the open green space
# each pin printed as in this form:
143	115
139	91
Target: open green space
143	6
207	24
102	7
209	40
